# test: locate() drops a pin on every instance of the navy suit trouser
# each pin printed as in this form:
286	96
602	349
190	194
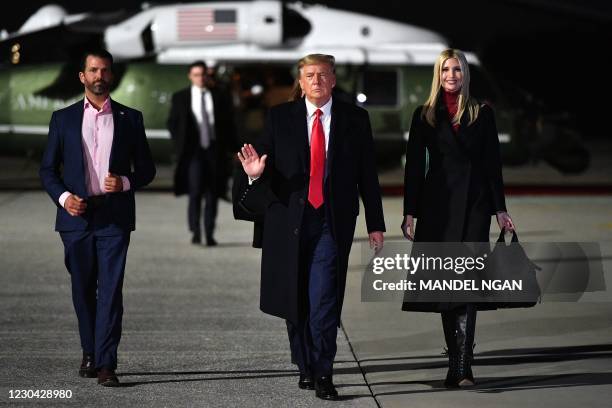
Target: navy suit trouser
313	338
95	260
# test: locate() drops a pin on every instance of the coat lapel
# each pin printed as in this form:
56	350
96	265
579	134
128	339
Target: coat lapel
188	107
337	128
445	130
76	130
464	132
75	133
301	134
118	117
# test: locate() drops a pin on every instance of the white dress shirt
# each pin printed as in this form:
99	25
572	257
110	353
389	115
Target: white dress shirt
310	118
196	107
325	119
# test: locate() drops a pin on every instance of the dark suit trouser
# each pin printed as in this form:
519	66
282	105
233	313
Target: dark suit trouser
313	339
95	260
202	183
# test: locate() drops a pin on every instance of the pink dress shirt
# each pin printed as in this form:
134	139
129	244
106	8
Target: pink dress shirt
97	132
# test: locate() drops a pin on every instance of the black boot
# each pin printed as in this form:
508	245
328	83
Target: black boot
450	335
466	326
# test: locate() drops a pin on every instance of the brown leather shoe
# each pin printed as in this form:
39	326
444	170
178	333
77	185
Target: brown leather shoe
107	377
88	366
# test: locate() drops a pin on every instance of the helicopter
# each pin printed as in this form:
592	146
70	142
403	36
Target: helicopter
251	48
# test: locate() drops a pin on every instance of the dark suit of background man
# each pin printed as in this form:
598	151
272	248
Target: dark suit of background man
202	127
317	158
102	148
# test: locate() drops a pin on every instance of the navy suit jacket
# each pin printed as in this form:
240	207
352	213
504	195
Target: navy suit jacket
63	168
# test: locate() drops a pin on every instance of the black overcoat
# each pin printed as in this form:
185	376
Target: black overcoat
185	134
453	181
280	196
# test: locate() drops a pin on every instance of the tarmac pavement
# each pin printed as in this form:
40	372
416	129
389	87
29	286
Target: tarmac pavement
556	354
193	335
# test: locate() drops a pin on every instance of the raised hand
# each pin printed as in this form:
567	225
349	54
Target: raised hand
252	164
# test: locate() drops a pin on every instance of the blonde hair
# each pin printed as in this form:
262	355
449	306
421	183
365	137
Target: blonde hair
464	101
310	59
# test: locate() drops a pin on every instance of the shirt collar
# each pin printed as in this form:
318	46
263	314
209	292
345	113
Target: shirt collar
311	108
106	106
195	89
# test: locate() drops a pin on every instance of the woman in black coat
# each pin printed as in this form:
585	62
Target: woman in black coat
453	185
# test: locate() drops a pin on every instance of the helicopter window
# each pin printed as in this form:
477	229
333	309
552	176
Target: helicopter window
225	16
295	26
380	88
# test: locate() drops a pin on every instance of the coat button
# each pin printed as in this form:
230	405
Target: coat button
296	231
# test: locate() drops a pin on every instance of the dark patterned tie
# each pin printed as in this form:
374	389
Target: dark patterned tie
205	134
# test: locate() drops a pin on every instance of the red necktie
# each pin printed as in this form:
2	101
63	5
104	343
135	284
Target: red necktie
317	162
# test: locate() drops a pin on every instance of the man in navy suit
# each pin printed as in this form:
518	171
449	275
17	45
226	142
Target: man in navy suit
97	155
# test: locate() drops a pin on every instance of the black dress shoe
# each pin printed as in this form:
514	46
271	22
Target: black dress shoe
88	367
196	239
325	388
306	382
107	378
211	242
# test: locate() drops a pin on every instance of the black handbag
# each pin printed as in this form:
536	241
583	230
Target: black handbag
510	263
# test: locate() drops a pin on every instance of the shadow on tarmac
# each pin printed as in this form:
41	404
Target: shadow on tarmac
494	385
227	375
501	358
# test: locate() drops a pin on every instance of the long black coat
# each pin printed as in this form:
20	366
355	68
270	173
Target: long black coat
185	133
240	187
455	193
280	195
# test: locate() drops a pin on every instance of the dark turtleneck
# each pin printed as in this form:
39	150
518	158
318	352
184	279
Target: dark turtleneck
451	102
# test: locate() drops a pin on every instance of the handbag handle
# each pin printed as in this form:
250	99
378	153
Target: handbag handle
502	237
